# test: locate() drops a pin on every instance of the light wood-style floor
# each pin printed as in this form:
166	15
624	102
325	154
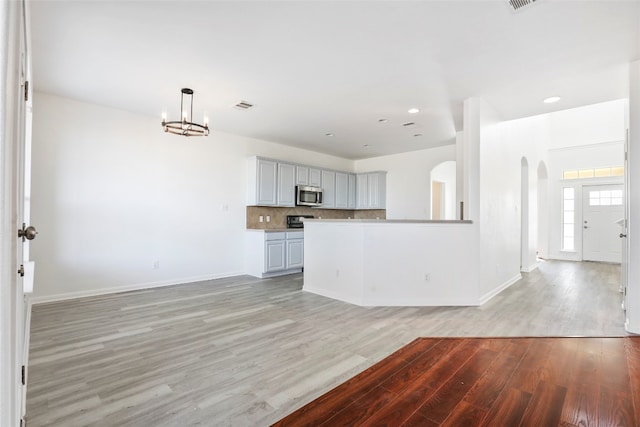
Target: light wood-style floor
246	352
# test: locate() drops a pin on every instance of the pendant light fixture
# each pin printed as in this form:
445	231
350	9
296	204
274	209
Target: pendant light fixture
186	127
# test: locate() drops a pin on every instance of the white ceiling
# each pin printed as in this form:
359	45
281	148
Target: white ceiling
318	67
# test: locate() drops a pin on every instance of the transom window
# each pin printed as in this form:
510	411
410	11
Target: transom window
593	172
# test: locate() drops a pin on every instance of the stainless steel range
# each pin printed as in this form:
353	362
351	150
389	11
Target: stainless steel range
296	221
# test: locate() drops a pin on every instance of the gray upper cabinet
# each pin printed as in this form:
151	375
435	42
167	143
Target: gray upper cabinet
315	177
273	183
351	197
286	194
371	190
302	175
362	191
328	189
342	191
262	182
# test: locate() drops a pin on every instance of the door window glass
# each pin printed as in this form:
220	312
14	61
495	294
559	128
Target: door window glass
568	218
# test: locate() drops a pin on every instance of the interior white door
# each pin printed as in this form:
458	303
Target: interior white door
16	270
602	207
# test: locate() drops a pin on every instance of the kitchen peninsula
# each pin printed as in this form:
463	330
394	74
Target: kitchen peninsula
393	262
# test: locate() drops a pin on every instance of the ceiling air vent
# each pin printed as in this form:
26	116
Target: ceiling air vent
520	4
243	105
409	124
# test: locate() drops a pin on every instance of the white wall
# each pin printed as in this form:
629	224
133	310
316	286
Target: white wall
445	173
526	140
408	179
386	264
112	193
500	164
592	124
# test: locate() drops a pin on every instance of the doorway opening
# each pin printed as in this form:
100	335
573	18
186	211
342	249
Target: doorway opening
524	214
443	191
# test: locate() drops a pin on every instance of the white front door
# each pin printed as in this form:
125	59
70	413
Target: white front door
602	208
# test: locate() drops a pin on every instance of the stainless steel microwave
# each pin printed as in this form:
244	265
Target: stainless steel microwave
308	196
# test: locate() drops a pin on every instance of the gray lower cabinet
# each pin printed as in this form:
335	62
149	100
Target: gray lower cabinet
295	253
273	253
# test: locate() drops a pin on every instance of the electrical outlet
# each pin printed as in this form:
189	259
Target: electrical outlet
268	218
427	277
155	264
338	273
260	218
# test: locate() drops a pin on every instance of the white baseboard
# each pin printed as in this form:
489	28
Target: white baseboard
398	302
486	297
126	288
530	268
330	294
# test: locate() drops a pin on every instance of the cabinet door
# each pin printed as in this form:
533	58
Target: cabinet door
377	188
351	198
372	189
274	255
342	190
295	253
362	191
315	177
286	185
328	189
302	175
266	185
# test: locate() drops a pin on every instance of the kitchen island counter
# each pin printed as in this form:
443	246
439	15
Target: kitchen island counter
395	262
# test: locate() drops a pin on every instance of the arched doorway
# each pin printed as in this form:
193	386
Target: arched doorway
524	214
443	191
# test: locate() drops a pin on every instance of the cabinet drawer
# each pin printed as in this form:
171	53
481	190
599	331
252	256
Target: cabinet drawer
295	235
275	236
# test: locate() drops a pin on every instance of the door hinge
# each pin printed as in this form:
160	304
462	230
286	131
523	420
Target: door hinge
24	375
21	270
26	90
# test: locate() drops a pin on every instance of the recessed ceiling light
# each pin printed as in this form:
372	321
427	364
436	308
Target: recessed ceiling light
382	120
328	134
551	99
413	111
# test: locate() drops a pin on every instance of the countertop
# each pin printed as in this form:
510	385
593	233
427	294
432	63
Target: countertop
275	230
393	221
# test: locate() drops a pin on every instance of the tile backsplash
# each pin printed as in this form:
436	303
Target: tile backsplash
278	216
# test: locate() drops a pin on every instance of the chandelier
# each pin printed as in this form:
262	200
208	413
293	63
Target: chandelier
185	127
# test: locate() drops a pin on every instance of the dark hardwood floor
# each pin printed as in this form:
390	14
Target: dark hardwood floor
489	382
